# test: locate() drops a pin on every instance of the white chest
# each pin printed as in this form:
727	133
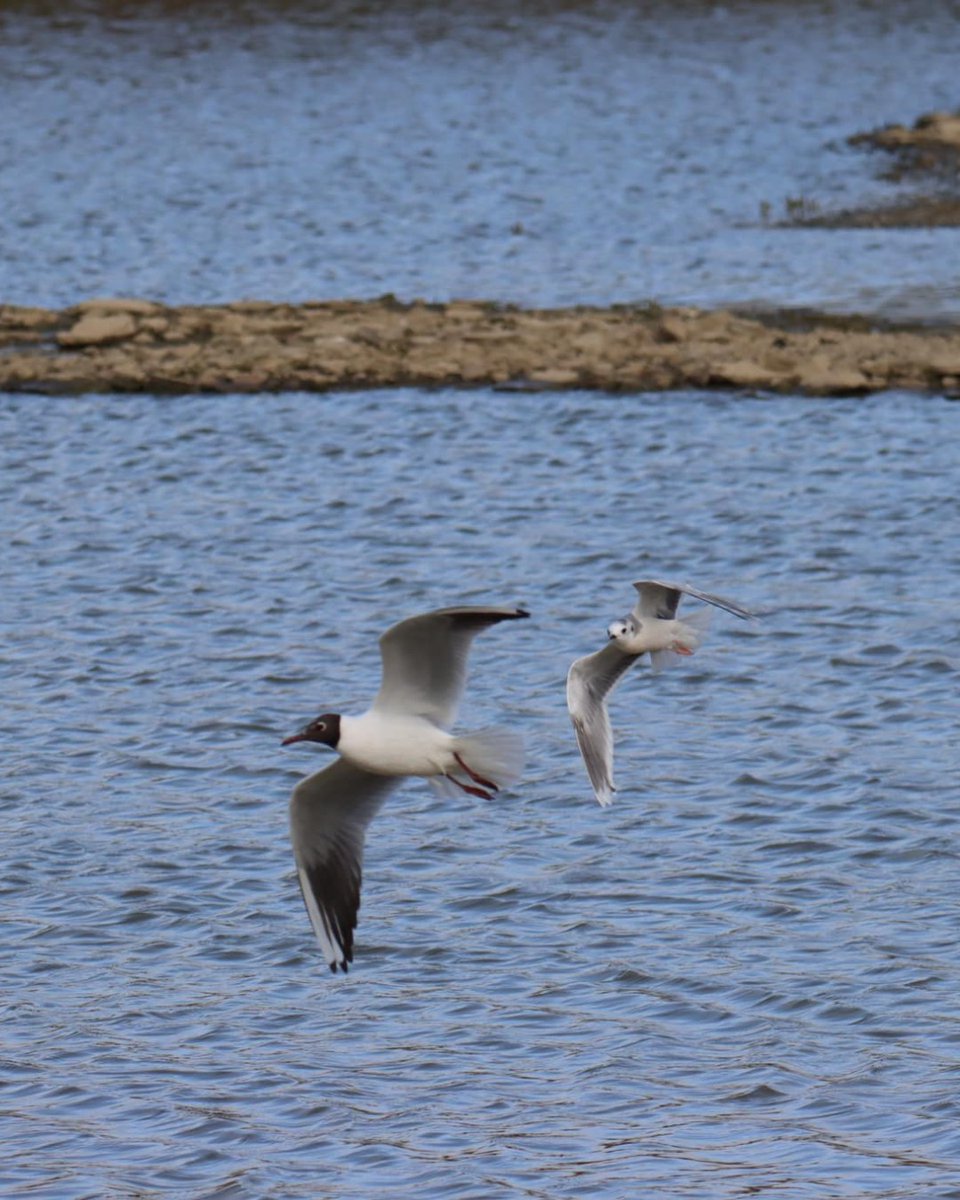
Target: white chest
653	634
395	745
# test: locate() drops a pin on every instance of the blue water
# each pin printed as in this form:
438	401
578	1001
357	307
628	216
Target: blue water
534	154
742	978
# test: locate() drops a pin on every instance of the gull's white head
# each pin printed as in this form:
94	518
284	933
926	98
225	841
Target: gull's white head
619	631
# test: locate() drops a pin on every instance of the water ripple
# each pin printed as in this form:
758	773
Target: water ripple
740	977
583	154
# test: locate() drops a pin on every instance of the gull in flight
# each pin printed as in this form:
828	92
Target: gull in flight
404	732
651	628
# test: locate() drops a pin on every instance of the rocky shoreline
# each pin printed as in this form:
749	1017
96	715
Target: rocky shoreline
926	155
134	345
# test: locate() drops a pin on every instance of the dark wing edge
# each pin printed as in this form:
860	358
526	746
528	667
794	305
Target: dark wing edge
329	814
470	618
333	914
673	592
481	614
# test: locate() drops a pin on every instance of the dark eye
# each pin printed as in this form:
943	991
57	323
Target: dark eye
321	726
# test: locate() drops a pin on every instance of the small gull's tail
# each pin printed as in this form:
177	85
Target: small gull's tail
690	634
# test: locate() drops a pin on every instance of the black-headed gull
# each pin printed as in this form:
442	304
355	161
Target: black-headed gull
403	733
651	628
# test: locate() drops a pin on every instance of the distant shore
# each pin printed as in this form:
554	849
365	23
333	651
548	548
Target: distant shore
138	345
135	345
927	155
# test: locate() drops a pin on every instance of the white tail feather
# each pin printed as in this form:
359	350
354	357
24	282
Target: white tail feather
494	752
692	630
698	622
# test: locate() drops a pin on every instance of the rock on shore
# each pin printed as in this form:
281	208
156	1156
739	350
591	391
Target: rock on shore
935	130
134	345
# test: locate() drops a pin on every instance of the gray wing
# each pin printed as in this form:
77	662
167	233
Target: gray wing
329	815
589	682
425	659
658	599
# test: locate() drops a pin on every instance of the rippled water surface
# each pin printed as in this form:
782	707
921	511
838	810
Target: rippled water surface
536	153
742	978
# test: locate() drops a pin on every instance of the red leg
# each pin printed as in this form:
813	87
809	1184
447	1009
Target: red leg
473	791
678	649
487	783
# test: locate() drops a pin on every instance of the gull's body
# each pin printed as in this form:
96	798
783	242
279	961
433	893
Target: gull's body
651	628
403	733
656	636
396	744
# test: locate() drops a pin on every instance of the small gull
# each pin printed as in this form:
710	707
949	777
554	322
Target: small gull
403	733
651	628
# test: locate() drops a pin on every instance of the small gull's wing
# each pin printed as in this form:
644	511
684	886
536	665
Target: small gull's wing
425	659
329	815
658	599
589	682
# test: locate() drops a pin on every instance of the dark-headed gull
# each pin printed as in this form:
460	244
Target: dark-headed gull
403	733
651	628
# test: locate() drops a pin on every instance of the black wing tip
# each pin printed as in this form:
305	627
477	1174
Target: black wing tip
338	912
343	962
489	616
502	614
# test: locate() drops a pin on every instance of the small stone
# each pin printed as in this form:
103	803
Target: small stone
945	364
121	304
157	325
831	380
743	373
554	377
672	329
93	331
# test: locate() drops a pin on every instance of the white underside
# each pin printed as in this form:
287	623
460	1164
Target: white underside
394	744
655	634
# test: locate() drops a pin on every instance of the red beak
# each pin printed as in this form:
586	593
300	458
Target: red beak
294	737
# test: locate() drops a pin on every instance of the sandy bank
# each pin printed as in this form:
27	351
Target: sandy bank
127	345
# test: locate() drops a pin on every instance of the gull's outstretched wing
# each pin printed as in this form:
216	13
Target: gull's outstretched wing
425	659
329	815
661	600
589	682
